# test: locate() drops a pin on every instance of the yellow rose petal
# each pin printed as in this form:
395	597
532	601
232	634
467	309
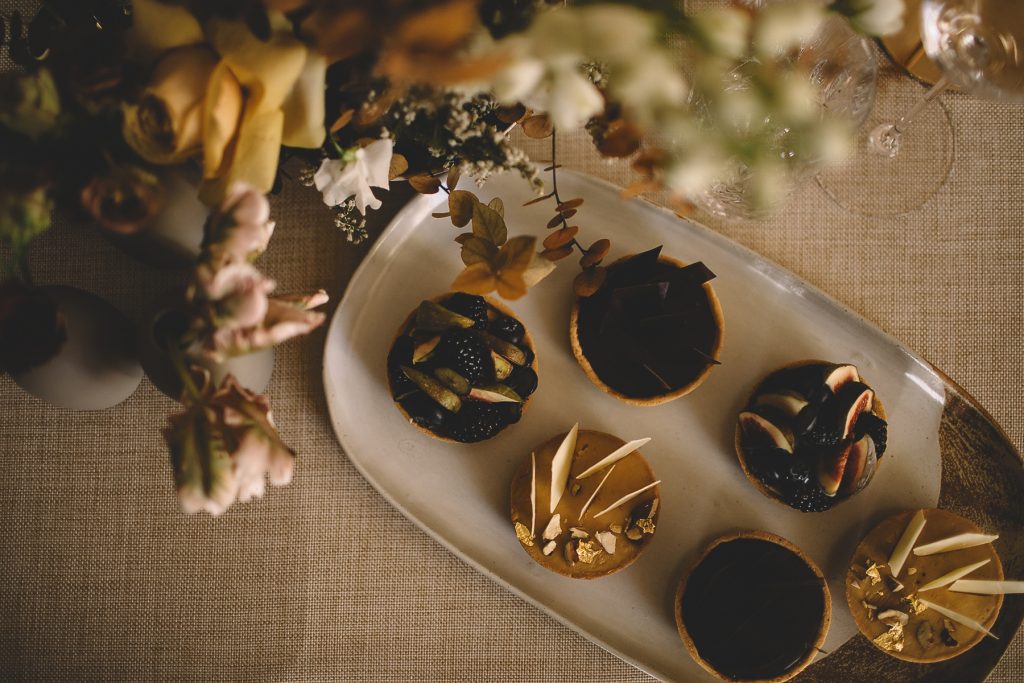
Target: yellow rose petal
222	111
158	27
254	158
304	108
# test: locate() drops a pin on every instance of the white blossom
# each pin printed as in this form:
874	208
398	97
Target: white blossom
787	25
726	30
338	179
874	17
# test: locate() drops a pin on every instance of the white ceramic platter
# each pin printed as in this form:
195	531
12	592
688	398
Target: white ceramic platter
459	493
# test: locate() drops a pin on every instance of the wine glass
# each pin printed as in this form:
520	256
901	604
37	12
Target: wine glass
906	157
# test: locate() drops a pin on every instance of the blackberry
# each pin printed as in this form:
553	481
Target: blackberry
513	411
769	465
477	421
469	305
465	353
399	355
523	381
509	329
808	499
876	428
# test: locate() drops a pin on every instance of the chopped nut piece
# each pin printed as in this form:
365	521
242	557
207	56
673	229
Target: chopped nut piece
925	635
894	615
891	640
855	583
946	634
616	528
523	534
578	532
654	508
634	533
553	528
607	541
549	548
896	585
567	551
645	525
575	489
911	571
587	551
871	609
872	573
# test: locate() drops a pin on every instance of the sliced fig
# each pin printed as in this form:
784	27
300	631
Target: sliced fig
425	349
453	380
860	466
763	433
508	350
496	393
788	404
448	399
840	375
831	468
853	399
432	317
502	368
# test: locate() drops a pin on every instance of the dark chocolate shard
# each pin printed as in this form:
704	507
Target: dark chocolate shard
693	274
634	270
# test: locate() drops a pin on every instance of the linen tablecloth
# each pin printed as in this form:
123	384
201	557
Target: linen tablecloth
104	578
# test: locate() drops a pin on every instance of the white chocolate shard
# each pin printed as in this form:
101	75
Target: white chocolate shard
607	541
553	528
628	497
561	464
533	494
958	542
593	495
983	587
958	618
952	576
577	532
613	457
549	548
906	542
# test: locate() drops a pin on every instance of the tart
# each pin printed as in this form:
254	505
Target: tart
897	596
585	503
652	332
753	607
462	368
811	435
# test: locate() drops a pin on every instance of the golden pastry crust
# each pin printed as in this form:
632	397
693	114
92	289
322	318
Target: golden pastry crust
631	473
826	618
501	308
917	571
588	369
877	408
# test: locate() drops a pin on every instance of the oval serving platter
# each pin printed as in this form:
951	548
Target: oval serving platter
945	450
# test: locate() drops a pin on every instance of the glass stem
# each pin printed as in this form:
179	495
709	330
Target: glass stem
886	138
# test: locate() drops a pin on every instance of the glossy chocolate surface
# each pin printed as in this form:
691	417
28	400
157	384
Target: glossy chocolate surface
753	609
651	328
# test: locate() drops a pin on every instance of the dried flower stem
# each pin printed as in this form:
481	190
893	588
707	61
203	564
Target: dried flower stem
554	190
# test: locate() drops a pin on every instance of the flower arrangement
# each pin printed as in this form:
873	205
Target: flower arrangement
358	94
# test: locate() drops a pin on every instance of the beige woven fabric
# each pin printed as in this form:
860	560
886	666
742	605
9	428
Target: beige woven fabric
103	578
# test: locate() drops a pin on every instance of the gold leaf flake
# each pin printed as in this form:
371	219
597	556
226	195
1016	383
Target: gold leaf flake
646	525
587	551
872	573
891	640
523	534
915	604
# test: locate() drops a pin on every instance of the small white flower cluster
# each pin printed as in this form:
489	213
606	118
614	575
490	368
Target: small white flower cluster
351	223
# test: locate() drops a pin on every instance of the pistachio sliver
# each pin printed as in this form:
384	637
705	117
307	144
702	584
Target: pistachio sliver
616	455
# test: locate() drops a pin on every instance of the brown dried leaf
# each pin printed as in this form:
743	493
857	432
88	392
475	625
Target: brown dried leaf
538	200
425	184
557	254
343	120
552	168
510	115
557	220
620	139
439	214
511	284
476	279
569	204
475	250
596	253
589	281
399	165
464	237
453	177
639	187
560	238
567	213
538	126
488	224
497	205
517	252
461	204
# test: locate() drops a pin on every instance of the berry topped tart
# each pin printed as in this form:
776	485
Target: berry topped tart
585	503
652	332
462	368
811	435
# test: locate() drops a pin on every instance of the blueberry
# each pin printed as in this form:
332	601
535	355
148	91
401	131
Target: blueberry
509	329
401	352
523	381
424	410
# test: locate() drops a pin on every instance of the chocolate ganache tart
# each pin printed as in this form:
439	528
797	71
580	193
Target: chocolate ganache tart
652	332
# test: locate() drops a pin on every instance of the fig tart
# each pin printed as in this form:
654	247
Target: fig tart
811	435
652	332
925	585
585	504
462	368
753	607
